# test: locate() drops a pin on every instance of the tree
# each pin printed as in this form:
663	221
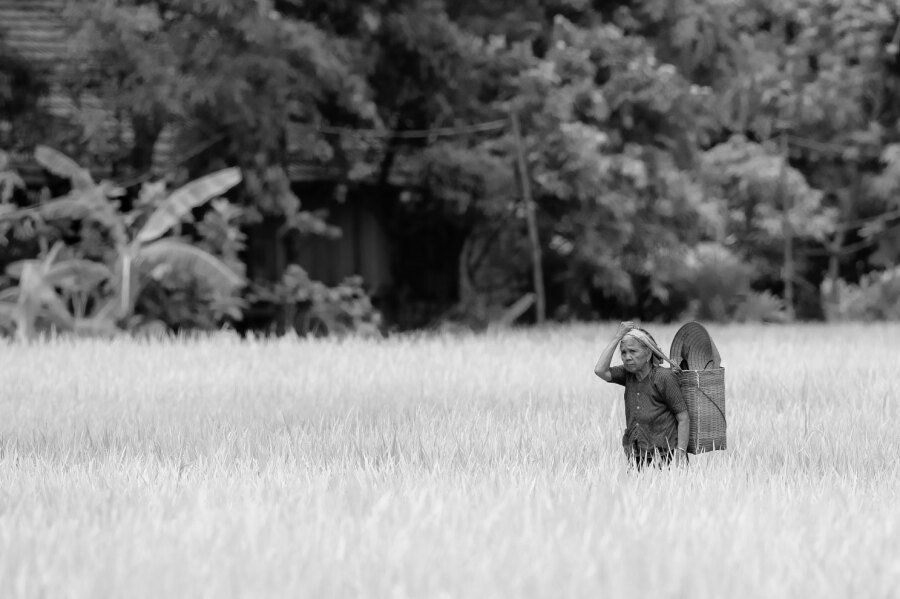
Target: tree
765	203
612	131
234	72
652	129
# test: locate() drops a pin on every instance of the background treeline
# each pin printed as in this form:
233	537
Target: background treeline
726	160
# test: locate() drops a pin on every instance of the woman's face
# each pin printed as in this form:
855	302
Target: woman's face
635	354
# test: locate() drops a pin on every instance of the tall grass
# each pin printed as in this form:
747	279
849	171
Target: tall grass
441	467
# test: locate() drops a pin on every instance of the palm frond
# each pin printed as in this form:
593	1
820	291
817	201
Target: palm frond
184	199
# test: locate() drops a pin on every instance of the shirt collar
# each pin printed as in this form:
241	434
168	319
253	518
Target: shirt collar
649	373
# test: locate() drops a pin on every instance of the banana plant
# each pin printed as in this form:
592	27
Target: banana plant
9	180
148	250
62	292
139	255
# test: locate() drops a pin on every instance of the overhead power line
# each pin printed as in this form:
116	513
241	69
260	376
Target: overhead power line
484	127
846	152
860	222
193	152
850	248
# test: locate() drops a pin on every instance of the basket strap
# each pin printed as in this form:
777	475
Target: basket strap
663	356
700	389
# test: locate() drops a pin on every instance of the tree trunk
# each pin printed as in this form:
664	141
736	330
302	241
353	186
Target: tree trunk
836	248
536	259
787	229
834	262
146	133
466	288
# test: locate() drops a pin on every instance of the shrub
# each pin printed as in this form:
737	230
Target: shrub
762	306
876	297
715	282
97	282
310	307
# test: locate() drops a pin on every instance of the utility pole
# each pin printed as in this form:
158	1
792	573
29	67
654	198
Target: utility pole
787	230
537	268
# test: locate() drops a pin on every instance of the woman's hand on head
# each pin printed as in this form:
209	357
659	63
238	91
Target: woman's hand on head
624	328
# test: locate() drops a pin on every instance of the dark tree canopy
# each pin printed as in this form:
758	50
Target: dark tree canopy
663	138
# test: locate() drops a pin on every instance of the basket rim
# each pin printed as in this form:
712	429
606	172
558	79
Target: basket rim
694	345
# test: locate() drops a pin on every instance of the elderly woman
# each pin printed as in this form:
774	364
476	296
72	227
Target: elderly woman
656	417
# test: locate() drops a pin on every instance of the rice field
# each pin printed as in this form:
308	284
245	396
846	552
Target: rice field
439	466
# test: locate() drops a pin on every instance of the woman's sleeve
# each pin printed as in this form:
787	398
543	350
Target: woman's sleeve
618	375
671	393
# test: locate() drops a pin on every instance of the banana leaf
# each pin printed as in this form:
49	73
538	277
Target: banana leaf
36	295
9	182
35	267
78	274
102	322
7	314
15	269
61	165
184	199
185	257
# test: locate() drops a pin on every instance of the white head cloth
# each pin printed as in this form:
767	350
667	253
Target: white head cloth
644	339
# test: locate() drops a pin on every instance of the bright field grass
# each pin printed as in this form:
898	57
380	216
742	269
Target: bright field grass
477	466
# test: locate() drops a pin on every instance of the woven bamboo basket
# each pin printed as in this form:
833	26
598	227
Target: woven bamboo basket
704	393
696	362
702	382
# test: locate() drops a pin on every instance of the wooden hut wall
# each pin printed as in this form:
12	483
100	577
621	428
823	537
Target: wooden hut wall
363	248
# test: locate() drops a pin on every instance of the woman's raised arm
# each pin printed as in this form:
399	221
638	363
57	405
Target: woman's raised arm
602	367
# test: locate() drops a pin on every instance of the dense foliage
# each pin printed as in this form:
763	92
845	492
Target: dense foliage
722	159
98	282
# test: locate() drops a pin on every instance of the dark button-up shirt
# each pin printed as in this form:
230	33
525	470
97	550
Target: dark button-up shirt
650	408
